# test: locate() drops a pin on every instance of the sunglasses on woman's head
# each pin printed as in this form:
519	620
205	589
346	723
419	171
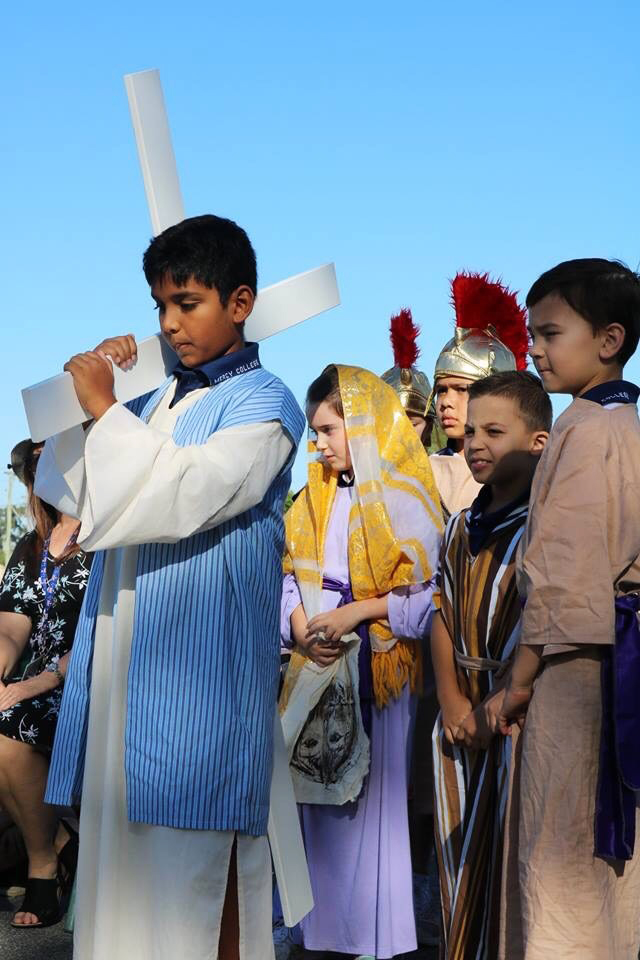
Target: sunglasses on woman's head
24	460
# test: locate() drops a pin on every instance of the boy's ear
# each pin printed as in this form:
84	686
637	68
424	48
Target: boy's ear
538	441
241	304
612	341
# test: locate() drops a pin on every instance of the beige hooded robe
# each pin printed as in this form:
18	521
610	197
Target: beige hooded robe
580	550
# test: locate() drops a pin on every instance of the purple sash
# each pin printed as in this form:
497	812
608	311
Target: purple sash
619	773
365	672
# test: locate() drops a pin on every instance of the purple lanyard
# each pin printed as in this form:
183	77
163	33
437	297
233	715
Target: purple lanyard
49	585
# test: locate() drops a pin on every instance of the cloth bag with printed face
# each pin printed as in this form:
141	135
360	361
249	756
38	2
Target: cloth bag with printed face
323	729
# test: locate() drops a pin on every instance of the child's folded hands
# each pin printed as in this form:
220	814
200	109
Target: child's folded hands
480	726
312	645
335	624
455	709
514	707
492	707
321	652
474	732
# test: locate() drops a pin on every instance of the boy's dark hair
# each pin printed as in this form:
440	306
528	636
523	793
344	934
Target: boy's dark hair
601	291
216	252
326	387
522	387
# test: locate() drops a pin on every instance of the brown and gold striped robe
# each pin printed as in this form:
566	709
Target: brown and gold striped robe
479	604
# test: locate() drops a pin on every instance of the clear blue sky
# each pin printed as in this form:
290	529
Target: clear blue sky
404	141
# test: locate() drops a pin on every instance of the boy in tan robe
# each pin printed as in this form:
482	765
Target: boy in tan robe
579	557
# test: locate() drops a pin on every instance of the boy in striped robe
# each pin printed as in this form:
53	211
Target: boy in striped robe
473	639
166	726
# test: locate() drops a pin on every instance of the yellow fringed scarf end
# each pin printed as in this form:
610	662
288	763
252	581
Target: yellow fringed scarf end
394	669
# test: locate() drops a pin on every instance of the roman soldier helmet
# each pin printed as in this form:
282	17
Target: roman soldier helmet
411	385
491	330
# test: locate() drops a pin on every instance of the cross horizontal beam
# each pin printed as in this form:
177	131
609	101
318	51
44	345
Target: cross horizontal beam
52	406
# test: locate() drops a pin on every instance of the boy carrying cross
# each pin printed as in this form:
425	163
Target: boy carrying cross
167	720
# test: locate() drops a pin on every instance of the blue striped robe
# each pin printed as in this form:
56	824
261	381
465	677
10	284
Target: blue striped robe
205	648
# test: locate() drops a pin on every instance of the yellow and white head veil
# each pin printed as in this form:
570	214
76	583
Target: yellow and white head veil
395	524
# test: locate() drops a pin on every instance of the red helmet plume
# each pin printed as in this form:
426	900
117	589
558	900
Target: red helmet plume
480	303
404	335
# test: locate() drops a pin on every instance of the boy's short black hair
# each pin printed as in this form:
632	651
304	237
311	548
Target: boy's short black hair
601	291
522	387
214	251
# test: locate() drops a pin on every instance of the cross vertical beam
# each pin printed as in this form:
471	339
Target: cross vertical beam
155	149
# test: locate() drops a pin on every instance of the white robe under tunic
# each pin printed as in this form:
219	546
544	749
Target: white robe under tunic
150	892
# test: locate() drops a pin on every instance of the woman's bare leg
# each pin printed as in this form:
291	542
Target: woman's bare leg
23	778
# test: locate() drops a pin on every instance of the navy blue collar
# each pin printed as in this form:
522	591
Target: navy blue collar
616	391
213	372
480	524
447	451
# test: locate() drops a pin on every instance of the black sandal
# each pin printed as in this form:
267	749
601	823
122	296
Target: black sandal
68	859
41	899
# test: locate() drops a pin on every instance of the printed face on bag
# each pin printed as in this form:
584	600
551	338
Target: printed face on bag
194	322
330	437
326	741
308	749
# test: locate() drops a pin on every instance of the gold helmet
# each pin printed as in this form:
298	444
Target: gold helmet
411	385
491	330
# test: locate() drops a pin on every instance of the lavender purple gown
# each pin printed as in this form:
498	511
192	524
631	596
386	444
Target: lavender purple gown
359	856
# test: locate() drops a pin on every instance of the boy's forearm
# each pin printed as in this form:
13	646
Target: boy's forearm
298	621
375	608
500	681
525	666
443	659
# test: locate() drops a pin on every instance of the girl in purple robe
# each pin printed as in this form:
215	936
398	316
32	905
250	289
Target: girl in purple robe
362	548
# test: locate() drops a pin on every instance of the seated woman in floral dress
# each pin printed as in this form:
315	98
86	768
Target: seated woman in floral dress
40	599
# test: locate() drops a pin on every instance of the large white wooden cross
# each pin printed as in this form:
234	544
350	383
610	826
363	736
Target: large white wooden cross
52	406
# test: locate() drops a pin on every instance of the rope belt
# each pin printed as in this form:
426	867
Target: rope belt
478	663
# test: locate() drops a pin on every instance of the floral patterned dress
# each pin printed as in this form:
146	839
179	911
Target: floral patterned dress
34	720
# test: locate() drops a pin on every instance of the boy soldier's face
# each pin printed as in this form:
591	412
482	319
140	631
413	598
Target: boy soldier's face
498	445
418	424
194	322
569	356
451	405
